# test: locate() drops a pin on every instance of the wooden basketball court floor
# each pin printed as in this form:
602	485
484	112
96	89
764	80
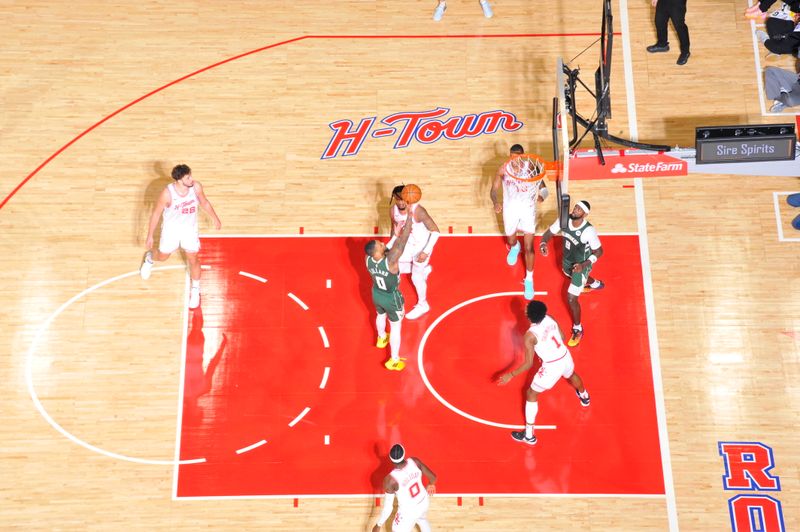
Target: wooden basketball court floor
724	287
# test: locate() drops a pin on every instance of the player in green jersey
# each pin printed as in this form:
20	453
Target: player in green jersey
581	250
383	266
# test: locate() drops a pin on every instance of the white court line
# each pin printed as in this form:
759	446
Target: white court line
421	365
324	336
300	416
298	301
757	63
37	339
627	64
252	276
778	216
655	358
438	495
181	380
251	447
644	254
325	375
327	283
205	267
781	236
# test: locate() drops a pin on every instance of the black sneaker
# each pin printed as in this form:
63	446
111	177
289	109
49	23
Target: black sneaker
519	435
656	48
584	402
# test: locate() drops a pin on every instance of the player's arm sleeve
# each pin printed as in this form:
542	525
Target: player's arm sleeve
388	506
428	249
592	239
544	192
556	227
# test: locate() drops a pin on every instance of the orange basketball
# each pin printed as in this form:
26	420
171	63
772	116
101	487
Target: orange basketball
411	194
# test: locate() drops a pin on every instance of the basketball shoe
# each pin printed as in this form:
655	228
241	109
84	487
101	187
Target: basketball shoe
395	365
418	310
487	9
590	288
513	253
439	12
584	401
528	283
383	341
577	336
519	435
147	266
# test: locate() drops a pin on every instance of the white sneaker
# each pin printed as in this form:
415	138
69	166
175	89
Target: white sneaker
439	12
418	310
147	266
487	9
194	297
777	107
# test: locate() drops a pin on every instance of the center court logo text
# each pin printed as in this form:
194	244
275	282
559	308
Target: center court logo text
424	127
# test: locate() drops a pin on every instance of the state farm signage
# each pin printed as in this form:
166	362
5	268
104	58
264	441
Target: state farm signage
626	165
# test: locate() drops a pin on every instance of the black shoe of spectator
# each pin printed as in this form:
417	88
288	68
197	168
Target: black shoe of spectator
683	58
655	48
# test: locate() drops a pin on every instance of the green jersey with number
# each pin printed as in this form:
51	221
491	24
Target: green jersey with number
576	250
383	281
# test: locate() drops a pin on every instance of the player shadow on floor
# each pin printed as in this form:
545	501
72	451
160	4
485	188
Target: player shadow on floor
159	172
382	469
383	195
516	352
198	380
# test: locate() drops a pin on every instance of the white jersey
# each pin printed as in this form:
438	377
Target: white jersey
549	344
182	210
410	492
419	233
520	192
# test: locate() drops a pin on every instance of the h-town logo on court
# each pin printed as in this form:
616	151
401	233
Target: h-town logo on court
424	127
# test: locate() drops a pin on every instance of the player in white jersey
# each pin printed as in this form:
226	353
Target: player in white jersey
519	214
545	339
179	203
417	254
405	483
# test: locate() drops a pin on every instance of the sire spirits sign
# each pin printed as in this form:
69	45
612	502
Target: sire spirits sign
424	127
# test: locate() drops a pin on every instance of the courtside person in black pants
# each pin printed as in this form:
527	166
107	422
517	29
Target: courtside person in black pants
674	10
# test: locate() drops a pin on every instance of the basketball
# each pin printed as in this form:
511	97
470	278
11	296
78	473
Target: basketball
411	194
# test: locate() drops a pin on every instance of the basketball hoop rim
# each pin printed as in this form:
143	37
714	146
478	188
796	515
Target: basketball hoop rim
547	167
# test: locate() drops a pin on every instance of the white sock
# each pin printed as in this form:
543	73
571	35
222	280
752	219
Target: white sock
419	278
577	326
529	275
595	284
584	394
196	283
394	339
531	409
149	257
380	324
